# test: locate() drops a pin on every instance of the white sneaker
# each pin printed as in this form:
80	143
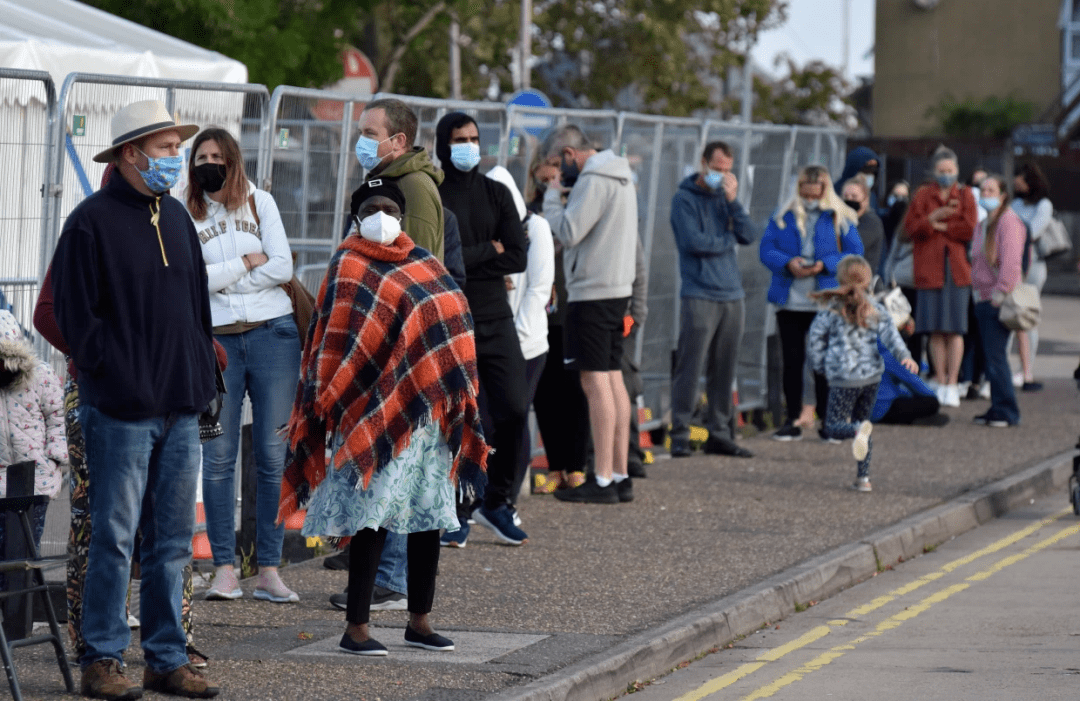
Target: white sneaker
984	391
861	445
952	396
226	586
963	388
939	392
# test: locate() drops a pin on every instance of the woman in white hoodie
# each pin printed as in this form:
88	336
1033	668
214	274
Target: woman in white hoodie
529	294
247	260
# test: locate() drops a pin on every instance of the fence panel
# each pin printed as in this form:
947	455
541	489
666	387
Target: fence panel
309	166
83	124
28	101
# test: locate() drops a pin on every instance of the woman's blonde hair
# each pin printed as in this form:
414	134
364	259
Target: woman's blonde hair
530	177
990	225
852	295
843	216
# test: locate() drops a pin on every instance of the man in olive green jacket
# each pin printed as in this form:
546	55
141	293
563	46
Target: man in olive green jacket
392	125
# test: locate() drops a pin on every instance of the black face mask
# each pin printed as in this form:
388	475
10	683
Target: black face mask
7	377
570	172
853	204
209	176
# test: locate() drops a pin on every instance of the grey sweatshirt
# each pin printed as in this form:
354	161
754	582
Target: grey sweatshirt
598	229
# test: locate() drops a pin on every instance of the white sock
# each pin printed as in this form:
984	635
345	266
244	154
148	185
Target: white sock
602	481
616	477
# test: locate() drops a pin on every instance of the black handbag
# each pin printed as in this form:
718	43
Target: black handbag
209	425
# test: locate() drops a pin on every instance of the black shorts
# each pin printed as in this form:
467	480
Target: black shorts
594	334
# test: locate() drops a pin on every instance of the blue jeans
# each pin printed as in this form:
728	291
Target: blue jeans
143	476
393	573
264	363
994	339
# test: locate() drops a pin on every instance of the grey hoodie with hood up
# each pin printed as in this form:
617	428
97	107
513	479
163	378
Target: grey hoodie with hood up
597	228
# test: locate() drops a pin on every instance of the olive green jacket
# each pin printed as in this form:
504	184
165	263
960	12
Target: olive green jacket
419	181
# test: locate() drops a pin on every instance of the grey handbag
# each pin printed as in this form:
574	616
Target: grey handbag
1054	240
1021	308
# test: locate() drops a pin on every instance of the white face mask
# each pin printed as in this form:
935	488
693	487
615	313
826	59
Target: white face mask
380	228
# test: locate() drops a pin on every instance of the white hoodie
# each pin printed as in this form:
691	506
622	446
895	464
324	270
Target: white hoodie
532	288
237	294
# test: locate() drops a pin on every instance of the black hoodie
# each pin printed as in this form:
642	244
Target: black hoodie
485	212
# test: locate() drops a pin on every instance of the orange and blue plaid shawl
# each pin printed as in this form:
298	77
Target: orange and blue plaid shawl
390	350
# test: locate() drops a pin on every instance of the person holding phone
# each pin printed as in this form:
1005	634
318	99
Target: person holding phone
941	221
802	246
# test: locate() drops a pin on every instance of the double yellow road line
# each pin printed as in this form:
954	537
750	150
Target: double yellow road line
890	623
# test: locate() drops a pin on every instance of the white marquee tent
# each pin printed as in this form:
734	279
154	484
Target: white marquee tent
63	37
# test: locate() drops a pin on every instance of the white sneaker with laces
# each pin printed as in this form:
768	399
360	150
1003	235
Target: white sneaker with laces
952	396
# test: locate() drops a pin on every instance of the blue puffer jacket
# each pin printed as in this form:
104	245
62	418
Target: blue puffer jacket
779	246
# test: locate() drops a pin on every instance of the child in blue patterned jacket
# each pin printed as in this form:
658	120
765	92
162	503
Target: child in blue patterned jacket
842	345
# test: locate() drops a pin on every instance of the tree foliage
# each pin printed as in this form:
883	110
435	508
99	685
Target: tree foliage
815	94
992	116
659	55
293	42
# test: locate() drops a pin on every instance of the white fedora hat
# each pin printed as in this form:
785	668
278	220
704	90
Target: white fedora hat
141	119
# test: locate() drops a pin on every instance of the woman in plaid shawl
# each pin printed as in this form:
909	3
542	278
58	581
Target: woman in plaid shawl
388	383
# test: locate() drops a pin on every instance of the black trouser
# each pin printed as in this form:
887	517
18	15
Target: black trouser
533	369
907	410
562	412
915	341
973	365
504	406
792	327
364	553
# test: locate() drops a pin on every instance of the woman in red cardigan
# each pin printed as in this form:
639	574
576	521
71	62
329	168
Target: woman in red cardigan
941	222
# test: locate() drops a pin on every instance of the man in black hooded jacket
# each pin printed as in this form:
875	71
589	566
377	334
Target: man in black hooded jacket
493	246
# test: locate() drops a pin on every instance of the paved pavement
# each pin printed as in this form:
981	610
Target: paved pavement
710	550
984	616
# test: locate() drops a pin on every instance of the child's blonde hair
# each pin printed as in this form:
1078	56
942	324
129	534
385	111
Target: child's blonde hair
851	296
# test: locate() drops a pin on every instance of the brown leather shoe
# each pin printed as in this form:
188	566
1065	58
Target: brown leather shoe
105	679
182	681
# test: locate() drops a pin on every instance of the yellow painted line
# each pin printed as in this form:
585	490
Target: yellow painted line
820	632
896	620
721	682
802	641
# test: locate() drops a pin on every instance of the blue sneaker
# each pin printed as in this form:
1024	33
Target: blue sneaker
456	539
501	522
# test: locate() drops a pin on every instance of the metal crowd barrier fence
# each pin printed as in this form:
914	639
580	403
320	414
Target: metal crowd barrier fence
298	145
28	102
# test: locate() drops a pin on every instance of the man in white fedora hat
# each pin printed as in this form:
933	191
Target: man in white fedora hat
131	301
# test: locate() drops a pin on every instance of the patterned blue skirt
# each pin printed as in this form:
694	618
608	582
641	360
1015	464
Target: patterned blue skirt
410	494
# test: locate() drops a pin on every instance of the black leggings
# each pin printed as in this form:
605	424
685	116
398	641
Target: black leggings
792	327
364	553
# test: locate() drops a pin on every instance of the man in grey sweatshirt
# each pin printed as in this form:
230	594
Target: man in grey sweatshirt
598	230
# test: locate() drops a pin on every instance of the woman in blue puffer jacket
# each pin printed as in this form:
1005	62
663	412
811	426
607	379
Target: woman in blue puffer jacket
802	246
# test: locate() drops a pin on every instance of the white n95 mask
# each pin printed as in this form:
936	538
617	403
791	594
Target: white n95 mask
380	228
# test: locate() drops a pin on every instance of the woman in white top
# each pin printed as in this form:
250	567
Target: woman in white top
529	294
1031	202
247	259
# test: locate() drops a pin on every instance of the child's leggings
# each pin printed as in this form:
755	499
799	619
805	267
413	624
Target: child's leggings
848	406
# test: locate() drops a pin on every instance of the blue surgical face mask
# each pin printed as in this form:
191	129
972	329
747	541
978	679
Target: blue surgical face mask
869	182
989	203
161	173
945	179
367	151
465	156
714	179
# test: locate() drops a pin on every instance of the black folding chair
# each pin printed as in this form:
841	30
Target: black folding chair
19	584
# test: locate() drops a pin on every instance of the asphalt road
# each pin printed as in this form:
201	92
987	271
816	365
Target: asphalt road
988	615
